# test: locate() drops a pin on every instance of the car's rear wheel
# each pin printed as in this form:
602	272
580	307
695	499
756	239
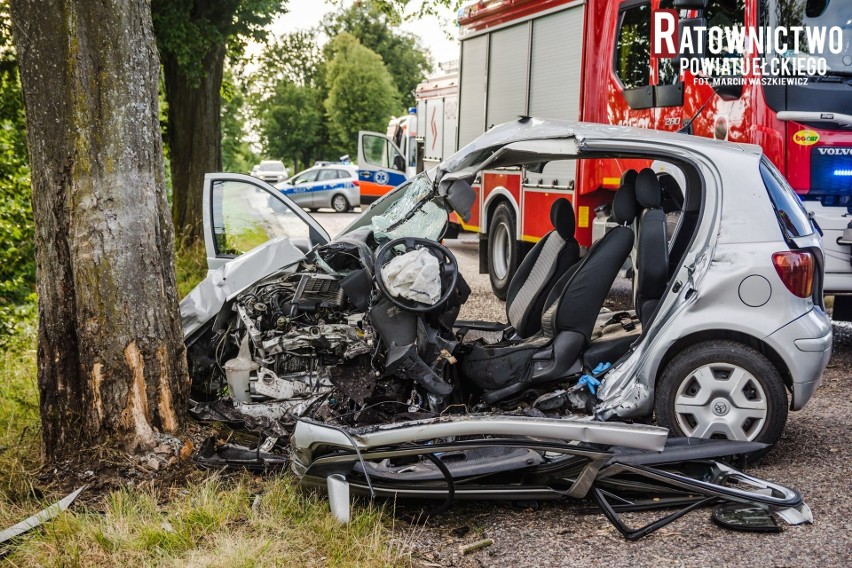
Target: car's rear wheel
722	389
339	203
503	253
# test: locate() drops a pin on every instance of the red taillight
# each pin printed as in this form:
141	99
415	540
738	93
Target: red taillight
356	183
796	270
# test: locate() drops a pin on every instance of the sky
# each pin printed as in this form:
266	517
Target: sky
437	35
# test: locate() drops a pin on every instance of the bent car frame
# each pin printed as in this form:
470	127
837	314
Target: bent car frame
349	354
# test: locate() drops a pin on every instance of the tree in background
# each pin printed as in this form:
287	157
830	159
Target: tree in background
373	23
17	247
111	361
194	37
237	155
291	124
288	99
295	58
361	93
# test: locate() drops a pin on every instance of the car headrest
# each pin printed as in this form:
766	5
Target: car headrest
562	217
624	205
671	189
648	191
628	177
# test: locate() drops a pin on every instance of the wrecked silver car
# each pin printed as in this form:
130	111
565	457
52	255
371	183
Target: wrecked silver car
347	356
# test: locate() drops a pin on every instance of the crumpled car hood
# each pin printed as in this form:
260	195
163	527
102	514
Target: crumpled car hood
206	299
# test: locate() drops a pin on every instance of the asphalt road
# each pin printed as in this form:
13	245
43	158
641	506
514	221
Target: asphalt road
814	456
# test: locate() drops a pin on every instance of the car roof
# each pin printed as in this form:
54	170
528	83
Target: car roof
484	150
346	167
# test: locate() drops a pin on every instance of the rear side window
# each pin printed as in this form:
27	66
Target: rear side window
326	175
632	48
791	214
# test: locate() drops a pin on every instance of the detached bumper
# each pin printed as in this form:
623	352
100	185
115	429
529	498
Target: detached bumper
805	345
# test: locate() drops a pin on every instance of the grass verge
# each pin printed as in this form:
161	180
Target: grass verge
190	265
235	521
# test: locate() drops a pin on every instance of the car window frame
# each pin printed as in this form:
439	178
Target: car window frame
787	196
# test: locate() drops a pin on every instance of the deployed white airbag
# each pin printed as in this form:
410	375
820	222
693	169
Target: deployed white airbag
415	275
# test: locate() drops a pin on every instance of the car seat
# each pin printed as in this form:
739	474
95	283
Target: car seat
549	259
573	306
672	202
653	250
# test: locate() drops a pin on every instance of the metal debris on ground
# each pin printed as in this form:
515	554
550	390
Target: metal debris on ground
42	516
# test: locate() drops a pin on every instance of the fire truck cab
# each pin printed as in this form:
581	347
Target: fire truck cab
592	60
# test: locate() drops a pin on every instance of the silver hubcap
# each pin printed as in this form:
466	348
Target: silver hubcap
500	251
339	203
721	400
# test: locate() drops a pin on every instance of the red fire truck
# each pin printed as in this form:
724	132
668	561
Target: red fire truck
591	60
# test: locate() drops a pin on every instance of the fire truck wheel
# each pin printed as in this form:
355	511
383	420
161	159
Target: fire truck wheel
503	253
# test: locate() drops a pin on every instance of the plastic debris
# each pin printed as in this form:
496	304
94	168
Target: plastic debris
601	368
42	516
589	382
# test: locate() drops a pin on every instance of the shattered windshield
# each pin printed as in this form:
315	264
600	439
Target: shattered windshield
410	210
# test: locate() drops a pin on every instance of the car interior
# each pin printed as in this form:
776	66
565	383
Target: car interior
559	326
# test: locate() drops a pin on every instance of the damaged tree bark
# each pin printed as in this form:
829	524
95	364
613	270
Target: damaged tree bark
111	362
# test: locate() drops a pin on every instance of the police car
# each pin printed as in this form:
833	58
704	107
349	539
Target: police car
324	185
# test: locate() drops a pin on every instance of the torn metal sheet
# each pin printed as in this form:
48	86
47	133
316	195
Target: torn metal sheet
415	461
42	516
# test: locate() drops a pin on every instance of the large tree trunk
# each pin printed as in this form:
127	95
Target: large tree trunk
194	135
111	361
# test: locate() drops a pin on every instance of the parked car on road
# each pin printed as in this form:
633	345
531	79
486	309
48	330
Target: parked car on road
327	185
272	171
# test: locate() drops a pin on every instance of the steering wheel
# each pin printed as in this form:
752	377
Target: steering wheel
449	267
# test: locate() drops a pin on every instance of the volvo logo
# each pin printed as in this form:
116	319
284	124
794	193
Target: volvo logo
382	178
835	151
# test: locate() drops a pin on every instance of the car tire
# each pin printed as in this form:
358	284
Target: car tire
503	253
339	203
694	396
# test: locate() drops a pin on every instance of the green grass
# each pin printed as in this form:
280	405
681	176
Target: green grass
206	520
237	521
20	437
190	265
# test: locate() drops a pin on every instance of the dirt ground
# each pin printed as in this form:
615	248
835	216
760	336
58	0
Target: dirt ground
813	456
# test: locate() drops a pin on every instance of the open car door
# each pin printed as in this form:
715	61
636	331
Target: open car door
381	165
242	212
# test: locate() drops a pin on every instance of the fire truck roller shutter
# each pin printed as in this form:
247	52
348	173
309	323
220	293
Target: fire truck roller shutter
556	60
474	72
506	74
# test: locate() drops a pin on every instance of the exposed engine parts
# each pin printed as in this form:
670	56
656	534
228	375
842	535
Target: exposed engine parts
321	340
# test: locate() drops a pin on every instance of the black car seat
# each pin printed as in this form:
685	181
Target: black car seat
555	253
653	250
573	306
549	259
672	203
